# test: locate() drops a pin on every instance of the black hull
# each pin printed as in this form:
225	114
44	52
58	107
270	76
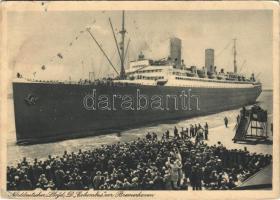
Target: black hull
51	112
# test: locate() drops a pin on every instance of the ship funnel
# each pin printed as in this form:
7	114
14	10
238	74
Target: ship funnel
209	60
175	51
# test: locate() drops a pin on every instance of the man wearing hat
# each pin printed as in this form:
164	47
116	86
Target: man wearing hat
198	177
96	182
25	184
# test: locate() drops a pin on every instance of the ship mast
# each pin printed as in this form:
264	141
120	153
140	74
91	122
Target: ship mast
101	49
121	53
234	55
122	32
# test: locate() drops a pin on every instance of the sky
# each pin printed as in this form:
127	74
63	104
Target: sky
58	40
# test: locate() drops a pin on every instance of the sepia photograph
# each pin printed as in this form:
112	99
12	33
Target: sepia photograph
107	97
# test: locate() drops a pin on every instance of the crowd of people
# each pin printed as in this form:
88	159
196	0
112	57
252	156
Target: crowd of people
180	162
193	131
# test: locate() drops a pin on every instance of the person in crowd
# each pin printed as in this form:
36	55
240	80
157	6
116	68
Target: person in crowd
193	177
97	180
226	122
237	119
206	134
243	112
154	136
187	168
191	131
184	185
182	133
148	136
141	164
206	126
176	135
187	132
42	182
25	183
179	166
172	165
195	130
167	134
198	175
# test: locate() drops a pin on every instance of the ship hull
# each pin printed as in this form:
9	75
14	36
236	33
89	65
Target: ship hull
50	112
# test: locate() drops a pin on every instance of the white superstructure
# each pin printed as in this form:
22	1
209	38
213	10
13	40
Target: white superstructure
164	72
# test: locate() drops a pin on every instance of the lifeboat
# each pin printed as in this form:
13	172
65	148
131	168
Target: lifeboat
201	73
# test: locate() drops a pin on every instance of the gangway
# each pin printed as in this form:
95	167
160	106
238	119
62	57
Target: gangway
251	125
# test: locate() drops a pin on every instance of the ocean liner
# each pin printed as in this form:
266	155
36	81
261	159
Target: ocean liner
148	91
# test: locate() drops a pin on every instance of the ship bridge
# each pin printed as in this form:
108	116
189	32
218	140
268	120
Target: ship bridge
144	72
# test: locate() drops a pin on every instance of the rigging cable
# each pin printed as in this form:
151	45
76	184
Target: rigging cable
221	51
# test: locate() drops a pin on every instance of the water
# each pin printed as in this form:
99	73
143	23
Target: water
217	132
